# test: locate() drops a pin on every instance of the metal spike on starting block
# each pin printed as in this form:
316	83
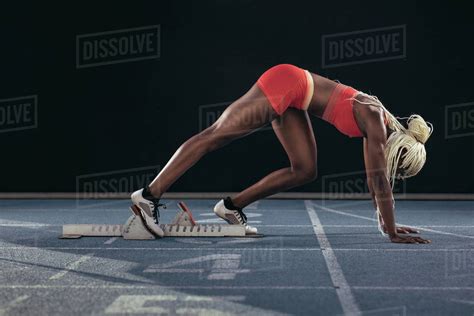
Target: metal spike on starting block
183	225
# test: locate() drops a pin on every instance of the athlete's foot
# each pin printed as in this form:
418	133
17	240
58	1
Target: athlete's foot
149	209
233	215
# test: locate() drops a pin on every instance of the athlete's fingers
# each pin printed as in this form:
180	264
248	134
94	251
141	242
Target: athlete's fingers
422	240
410	230
401	230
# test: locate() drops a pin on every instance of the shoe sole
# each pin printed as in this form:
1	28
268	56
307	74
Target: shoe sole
231	223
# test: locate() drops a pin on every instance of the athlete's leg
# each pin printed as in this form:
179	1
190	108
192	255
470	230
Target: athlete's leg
296	135
242	117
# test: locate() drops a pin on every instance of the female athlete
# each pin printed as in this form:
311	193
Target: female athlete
392	150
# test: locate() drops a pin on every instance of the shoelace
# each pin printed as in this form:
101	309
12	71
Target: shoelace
156	210
242	215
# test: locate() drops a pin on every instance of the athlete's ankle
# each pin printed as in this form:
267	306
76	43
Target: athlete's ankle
229	204
149	194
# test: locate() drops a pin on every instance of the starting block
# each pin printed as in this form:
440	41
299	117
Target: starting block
183	225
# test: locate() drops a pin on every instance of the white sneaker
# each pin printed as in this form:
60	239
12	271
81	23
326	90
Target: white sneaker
234	217
149	211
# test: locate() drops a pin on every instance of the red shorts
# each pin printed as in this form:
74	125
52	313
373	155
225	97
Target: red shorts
339	113
287	86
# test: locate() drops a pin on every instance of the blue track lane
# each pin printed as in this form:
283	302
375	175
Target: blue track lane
286	272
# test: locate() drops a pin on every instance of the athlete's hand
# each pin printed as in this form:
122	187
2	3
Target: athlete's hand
408	239
403	230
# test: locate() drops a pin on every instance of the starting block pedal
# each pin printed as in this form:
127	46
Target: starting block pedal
183	225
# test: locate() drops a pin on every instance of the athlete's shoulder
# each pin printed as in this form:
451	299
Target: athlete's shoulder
372	117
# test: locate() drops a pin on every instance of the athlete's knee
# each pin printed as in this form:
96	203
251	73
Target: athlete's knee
305	173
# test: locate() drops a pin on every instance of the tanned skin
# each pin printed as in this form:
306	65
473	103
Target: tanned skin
293	130
371	122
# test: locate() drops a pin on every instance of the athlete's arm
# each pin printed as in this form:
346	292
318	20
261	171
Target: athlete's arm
400	229
369	180
375	166
377	178
372	192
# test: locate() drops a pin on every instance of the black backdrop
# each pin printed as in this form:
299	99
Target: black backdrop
135	114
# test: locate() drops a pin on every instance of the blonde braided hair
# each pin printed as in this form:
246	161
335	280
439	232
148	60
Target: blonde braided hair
407	144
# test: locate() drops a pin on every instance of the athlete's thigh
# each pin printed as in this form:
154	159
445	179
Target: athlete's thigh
248	113
295	133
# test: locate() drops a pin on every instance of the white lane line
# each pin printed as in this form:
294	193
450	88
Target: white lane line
164	248
258	225
121	209
242	249
463	302
29	225
82	209
344	293
70	267
191	287
223	287
405	249
414	288
111	240
327	209
364	226
7	307
424	226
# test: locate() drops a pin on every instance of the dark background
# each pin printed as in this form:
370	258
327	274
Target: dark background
136	114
